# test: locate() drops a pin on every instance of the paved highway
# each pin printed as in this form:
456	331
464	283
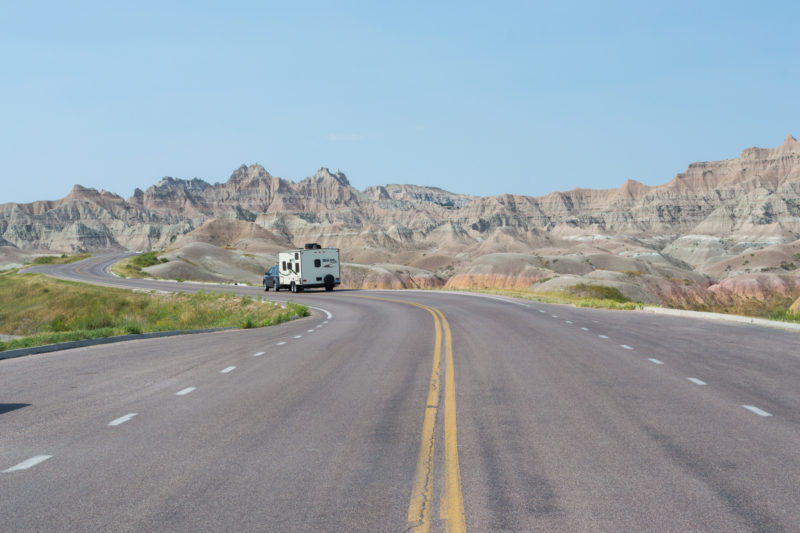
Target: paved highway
408	411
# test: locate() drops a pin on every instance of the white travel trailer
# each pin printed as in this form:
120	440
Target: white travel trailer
307	268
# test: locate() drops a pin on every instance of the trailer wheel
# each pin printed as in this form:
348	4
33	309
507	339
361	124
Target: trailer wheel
329	283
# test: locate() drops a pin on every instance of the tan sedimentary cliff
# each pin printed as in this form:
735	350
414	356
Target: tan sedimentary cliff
719	233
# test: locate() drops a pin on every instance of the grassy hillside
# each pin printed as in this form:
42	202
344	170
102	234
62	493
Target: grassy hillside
131	267
44	310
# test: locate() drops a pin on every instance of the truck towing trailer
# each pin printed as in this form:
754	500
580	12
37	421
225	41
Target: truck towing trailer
306	268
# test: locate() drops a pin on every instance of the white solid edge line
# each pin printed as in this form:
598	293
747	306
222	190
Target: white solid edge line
503	300
226	370
185	391
122	419
756	410
656	361
280	343
24	465
697	381
327	313
257	354
625	346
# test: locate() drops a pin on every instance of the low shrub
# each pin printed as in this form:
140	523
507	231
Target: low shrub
147	259
600	292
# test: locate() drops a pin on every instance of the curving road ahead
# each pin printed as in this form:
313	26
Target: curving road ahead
407	411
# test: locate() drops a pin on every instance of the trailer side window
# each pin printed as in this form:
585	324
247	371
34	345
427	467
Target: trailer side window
297	256
297	267
317	263
284	266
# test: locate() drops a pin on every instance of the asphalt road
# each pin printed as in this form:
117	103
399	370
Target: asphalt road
405	410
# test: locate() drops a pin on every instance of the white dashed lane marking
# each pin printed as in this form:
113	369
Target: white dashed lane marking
555	316
298	336
585	329
185	391
697	381
122	419
756	410
310	331
280	343
24	465
257	354
603	336
656	361
568	321
226	370
625	346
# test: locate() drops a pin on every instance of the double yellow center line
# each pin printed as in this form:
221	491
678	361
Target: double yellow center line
451	503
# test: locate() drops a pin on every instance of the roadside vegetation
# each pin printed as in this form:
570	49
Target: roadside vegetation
59	259
131	267
598	296
776	308
41	310
581	295
784	315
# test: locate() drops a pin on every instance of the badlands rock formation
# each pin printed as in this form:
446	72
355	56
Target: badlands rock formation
721	235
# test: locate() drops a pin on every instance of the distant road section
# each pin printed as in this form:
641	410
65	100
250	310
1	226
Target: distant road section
407	411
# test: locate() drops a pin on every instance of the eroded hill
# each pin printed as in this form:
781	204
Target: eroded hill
721	235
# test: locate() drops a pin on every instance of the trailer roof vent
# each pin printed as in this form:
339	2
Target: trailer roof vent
312	246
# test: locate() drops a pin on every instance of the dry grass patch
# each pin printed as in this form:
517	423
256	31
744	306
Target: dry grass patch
59	259
561	297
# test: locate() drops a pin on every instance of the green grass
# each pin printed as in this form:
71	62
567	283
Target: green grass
131	267
784	315
59	260
42	310
597	292
563	297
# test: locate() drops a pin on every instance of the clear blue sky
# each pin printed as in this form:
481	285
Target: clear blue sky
475	97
